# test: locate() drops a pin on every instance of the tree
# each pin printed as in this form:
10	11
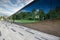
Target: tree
23	15
57	9
14	17
54	14
41	15
33	14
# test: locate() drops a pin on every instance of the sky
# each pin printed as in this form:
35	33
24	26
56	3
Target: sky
9	7
46	5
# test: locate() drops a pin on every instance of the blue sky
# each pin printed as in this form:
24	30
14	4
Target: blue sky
46	5
9	7
14	1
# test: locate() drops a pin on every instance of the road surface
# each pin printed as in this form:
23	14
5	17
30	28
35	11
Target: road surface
10	31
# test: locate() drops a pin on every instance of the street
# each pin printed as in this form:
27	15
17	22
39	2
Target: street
11	31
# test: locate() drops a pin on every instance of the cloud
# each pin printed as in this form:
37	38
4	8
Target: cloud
8	8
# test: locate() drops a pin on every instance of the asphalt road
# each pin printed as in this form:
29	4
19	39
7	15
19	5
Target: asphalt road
10	31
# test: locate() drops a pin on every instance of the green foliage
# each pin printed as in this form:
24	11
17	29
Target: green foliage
23	15
33	14
13	17
52	14
41	15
